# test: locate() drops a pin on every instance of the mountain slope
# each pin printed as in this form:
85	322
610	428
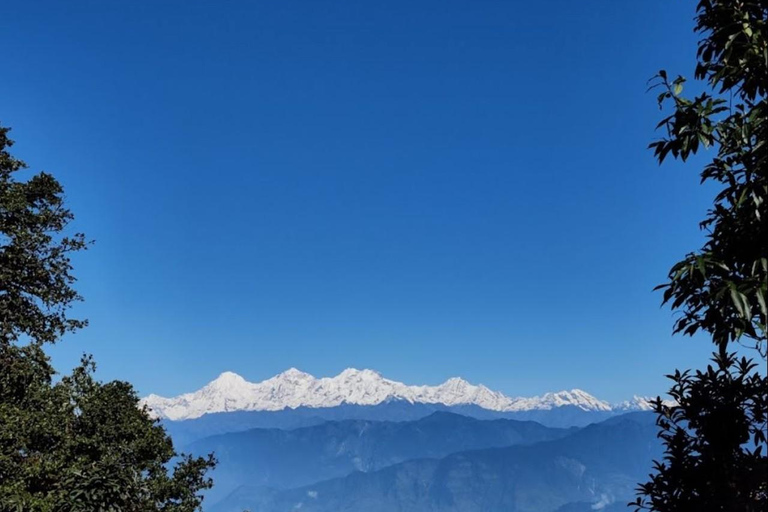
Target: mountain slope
283	459
591	468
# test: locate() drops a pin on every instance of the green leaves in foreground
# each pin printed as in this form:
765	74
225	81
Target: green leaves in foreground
79	445
75	445
715	436
715	433
35	268
722	288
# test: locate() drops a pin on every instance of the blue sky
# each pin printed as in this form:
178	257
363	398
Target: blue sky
429	189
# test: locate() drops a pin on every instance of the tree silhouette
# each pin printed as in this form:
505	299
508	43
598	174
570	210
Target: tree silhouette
715	433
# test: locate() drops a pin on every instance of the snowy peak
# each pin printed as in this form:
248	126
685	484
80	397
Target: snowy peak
226	381
355	375
640	403
292	374
455	384
294	388
574	397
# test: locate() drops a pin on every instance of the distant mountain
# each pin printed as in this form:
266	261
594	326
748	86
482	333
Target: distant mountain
284	459
594	468
185	432
293	389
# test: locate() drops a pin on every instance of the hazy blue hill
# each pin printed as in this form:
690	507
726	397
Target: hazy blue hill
187	431
646	418
559	417
601	463
292	458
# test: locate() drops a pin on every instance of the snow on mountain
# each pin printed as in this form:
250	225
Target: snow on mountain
639	403
574	397
294	388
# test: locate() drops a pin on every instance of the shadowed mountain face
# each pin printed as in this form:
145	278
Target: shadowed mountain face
292	458
597	466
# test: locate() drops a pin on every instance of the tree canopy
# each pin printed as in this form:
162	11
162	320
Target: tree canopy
71	443
35	270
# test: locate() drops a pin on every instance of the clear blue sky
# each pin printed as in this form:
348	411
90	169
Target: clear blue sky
429	188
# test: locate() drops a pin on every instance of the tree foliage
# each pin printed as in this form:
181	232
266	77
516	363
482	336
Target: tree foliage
715	441
35	269
72	444
79	445
723	287
715	433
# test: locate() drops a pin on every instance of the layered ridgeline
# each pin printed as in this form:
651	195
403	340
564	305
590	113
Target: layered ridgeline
282	459
579	470
361	441
294	389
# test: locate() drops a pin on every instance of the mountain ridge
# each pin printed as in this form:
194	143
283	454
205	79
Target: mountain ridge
293	388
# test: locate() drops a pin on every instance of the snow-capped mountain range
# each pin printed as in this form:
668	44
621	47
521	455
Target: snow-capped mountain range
294	388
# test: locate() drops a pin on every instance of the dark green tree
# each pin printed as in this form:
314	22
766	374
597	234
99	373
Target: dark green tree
721	289
35	269
72	444
715	433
